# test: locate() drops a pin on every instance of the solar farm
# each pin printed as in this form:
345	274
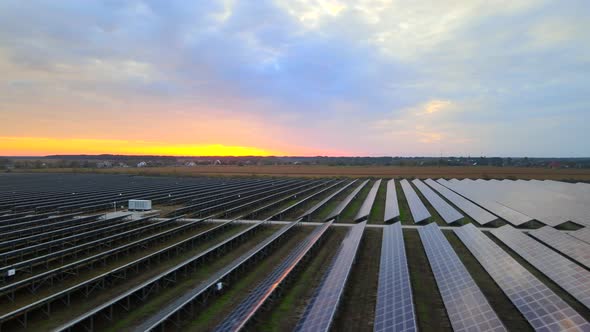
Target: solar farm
82	252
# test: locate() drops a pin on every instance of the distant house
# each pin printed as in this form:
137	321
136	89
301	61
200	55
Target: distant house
190	164
217	162
142	164
104	164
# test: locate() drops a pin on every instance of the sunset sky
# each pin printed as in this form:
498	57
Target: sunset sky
295	77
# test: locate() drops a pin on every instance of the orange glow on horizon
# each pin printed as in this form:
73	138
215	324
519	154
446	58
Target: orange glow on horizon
34	146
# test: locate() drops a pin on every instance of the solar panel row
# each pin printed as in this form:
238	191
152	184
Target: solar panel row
271	200
338	210
541	307
395	305
547	204
206	204
444	209
417	208
478	196
32	235
43	193
582	234
21	225
84	287
291	207
24	265
321	203
226	191
319	314
568	275
391	204
540	203
242	314
365	210
56	274
478	214
467	307
221	207
166	312
570	246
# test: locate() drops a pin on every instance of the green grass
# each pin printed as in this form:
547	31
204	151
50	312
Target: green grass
506	311
237	291
466	218
285	314
378	209
404	209
298	211
577	306
569	226
81	305
430	311
352	208
324	211
356	311
166	296
434	216
71	280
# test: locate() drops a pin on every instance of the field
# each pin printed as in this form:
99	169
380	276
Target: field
459	172
247	233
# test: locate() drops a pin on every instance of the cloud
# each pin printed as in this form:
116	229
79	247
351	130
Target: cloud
430	125
434	106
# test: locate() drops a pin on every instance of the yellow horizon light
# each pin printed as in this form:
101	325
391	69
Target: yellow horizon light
35	146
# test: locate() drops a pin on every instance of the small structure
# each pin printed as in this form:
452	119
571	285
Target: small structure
142	164
139	205
104	164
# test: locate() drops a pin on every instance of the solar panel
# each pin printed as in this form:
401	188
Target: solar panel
338	210
417	208
321	203
479	196
395	307
540	203
540	306
556	204
391	204
582	234
467	307
570	246
159	318
365	209
444	209
478	214
279	215
573	278
238	318
319	314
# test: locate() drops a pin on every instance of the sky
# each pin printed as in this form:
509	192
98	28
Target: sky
295	77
